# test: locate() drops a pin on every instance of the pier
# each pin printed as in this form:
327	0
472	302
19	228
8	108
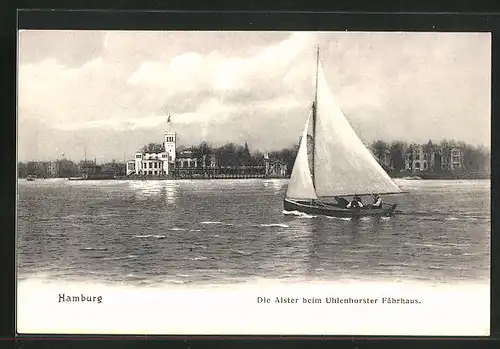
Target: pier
248	172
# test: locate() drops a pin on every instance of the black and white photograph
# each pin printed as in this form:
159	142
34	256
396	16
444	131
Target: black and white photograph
253	183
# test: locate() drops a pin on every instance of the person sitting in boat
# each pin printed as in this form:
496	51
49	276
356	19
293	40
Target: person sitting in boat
342	202
377	201
355	203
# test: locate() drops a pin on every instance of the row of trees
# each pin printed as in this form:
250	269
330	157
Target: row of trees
59	168
66	168
474	158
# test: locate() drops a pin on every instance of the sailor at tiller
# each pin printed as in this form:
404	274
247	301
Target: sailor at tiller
355	203
377	201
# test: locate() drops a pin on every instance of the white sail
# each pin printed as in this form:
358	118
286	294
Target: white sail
301	184
342	163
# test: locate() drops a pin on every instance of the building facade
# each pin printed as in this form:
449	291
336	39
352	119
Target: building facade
186	159
274	167
155	164
456	158
417	159
170	145
149	164
44	169
53	168
188	164
383	158
431	158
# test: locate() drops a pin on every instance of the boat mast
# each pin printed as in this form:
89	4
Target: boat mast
314	116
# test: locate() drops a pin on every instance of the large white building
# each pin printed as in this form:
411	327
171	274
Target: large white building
155	164
417	159
433	158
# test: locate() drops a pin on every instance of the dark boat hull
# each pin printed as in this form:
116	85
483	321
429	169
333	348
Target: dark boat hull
333	210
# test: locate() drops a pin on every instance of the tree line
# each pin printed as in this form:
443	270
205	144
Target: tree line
65	168
475	158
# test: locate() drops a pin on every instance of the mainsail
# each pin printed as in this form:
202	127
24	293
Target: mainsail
342	165
301	183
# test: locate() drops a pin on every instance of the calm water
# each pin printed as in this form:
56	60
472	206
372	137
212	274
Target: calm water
216	232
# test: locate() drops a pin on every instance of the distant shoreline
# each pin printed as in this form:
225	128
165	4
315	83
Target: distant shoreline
440	176
410	177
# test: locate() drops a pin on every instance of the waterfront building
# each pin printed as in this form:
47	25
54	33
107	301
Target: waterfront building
149	164
130	167
186	159
188	164
449	158
274	167
427	158
416	159
212	161
456	158
170	145
89	167
41	169
154	163
384	158
431	158
53	169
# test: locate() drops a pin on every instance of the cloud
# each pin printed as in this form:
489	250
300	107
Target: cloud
234	79
254	86
72	48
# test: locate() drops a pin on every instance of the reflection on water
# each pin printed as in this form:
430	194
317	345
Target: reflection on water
274	184
224	231
146	189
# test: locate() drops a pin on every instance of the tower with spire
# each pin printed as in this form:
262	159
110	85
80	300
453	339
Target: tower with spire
170	141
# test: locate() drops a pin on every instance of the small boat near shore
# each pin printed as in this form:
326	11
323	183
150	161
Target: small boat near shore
412	178
333	164
81	178
89	177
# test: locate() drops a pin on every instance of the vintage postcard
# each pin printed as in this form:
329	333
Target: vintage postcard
253	183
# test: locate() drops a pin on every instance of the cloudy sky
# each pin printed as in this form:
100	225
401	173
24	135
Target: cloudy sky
110	92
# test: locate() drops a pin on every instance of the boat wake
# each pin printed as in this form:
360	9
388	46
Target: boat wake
150	236
275	225
298	214
242	252
339	218
131	256
201	258
94	249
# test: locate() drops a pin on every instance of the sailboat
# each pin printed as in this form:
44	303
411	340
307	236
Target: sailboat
333	164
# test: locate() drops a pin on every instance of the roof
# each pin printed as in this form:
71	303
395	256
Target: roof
271	160
186	155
